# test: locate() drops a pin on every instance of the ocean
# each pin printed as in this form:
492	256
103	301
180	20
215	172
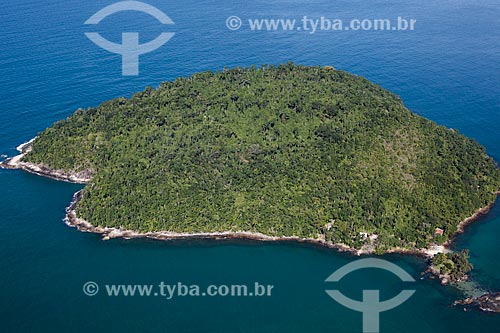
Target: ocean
447	70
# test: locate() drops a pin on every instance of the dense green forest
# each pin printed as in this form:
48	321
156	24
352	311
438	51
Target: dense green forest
454	265
282	150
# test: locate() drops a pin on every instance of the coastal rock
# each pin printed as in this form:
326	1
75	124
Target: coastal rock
486	303
16	162
450	267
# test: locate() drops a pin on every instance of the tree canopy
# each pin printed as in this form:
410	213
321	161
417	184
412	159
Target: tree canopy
282	150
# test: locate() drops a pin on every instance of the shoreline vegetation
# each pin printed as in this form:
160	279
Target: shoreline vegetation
108	233
451	267
488	302
16	162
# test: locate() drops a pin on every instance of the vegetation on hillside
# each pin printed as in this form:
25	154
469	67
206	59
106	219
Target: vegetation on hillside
282	150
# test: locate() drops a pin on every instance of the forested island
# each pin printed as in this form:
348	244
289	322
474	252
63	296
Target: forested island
277	151
451	267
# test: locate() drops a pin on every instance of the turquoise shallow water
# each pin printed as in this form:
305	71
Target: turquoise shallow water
447	70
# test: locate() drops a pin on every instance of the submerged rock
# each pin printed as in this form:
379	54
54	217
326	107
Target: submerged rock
487	303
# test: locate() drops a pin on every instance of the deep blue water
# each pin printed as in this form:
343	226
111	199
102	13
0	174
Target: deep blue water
447	70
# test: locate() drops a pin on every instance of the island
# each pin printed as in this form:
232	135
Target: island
451	267
288	152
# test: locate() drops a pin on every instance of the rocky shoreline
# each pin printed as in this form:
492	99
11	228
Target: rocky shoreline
486	303
85	177
108	233
445	278
462	225
82	177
